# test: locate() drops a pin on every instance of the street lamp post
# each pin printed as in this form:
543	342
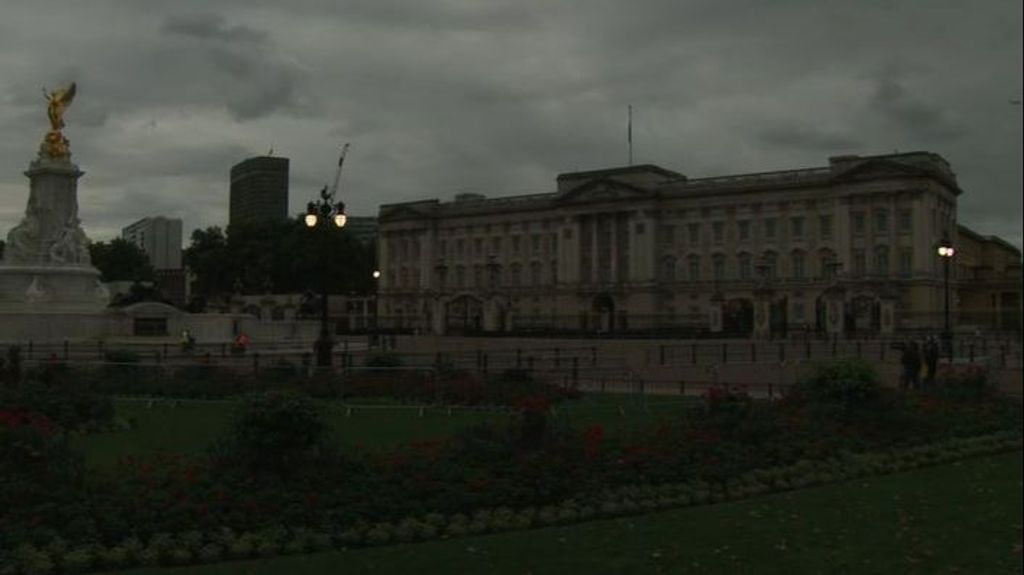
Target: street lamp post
376	306
946	252
324	212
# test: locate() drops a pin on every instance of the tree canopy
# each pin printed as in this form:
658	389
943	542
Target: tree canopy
281	257
120	260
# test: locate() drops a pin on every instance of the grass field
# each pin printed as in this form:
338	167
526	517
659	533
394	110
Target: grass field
188	427
958	518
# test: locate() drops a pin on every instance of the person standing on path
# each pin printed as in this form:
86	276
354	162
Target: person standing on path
931	359
911	361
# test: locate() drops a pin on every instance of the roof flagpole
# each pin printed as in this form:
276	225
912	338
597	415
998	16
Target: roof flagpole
629	134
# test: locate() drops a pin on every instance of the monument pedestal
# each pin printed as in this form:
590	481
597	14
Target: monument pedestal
47	281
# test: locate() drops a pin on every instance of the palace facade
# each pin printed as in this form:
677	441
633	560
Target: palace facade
846	248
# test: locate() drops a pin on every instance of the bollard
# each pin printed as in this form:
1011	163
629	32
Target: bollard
807	350
661	355
519	358
782	351
971	348
693	353
483	365
771	392
256	362
165	349
479	359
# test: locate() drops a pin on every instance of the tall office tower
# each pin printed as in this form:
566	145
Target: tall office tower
259	190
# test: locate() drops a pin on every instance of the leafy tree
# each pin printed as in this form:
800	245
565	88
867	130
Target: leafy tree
120	260
210	262
282	257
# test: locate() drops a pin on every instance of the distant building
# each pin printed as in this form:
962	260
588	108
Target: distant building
847	248
160	238
259	190
988	276
363	228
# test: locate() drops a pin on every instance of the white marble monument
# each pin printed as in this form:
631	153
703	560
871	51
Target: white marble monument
46	278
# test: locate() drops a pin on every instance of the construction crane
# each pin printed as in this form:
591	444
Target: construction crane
337	174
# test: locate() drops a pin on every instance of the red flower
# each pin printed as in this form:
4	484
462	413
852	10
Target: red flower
534	404
592	439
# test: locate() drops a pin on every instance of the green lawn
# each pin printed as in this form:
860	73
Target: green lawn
188	427
958	518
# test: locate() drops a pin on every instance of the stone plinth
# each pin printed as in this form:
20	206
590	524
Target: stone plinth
46	267
51	289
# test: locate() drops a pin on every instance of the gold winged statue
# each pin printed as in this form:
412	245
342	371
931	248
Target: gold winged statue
55	145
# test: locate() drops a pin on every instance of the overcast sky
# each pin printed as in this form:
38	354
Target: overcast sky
445	96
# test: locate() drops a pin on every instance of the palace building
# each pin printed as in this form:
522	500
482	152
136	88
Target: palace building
846	248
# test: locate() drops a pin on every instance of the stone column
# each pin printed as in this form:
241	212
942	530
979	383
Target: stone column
762	315
835	313
715	313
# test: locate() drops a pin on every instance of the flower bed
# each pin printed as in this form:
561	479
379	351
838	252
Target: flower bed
281	488
214	545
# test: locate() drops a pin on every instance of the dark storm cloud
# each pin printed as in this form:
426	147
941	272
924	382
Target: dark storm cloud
912	114
499	97
807	139
212	27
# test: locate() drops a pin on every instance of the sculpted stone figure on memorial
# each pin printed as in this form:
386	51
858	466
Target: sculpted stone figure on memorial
55	145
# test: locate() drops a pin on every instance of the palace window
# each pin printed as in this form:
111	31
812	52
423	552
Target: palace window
718	266
882	260
858	223
797	228
694	265
743	226
743	261
905	221
825	227
798	265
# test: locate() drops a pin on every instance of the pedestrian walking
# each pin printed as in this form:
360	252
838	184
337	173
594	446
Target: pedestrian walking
911	362
931	359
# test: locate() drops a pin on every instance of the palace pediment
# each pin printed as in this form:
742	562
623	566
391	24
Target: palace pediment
604	190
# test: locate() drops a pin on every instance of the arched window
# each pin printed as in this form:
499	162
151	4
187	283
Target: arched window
797	264
743	262
515	275
693	263
770	264
668	269
882	260
826	263
535	273
718	266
